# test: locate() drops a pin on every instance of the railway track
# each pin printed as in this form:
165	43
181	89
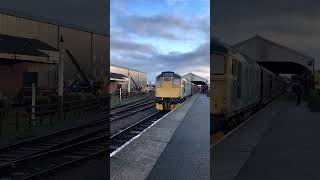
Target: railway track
40	165
130	110
39	145
45	163
125	135
148	97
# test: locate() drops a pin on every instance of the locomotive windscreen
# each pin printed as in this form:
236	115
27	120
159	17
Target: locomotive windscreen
167	74
176	81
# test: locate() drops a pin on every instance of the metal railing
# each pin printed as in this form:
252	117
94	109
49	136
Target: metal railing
24	118
120	97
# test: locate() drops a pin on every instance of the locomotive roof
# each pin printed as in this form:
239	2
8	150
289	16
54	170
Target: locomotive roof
174	74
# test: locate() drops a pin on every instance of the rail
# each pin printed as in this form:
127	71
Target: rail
72	148
118	97
119	139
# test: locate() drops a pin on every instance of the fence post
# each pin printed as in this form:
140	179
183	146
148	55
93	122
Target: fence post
129	88
120	94
30	117
33	103
17	120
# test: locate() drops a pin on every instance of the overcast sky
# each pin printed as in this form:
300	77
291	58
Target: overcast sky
161	35
293	23
90	14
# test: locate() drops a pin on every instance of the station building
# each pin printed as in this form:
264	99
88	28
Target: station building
119	77
117	82
30	51
278	58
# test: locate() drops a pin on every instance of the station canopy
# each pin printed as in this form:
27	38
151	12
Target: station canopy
275	57
196	79
17	49
118	77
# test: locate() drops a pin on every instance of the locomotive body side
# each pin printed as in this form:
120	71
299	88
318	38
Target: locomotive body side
239	87
186	88
236	87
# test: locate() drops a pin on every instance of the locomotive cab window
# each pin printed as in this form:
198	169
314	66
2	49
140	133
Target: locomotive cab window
176	81
167	74
218	64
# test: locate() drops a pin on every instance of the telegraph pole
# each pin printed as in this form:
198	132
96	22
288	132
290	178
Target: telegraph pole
61	79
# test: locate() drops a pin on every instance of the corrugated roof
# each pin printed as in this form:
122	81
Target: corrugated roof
260	49
48	20
23	46
117	76
191	76
123	67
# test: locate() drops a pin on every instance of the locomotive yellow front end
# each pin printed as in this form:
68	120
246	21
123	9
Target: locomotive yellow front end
220	72
168	91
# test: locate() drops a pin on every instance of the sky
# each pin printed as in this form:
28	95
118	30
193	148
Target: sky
89	14
293	23
161	35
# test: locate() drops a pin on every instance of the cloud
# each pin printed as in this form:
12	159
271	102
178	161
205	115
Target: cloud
196	61
174	2
131	46
166	38
165	26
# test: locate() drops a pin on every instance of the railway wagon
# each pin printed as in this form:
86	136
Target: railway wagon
266	94
171	89
194	89
272	85
240	87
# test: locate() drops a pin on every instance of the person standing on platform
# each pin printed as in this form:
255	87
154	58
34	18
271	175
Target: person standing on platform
297	89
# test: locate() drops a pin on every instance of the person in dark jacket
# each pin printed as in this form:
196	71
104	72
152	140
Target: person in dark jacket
297	89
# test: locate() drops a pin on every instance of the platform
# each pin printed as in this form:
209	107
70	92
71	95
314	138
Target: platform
181	139
187	154
279	142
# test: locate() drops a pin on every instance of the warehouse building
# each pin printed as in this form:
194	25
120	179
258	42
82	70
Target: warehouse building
89	49
117	82
138	79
